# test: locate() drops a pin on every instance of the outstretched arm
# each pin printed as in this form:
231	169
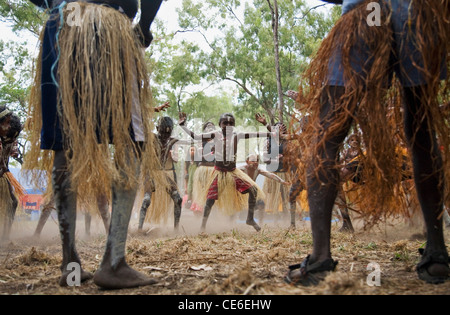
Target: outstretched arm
249	135
273	176
163	107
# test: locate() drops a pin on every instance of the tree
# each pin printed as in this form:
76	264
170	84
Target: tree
22	15
275	23
242	50
177	76
231	70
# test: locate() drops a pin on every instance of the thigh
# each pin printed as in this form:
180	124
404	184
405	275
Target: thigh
410	65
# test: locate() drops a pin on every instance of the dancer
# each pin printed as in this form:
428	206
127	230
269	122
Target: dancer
253	170
205	156
10	189
351	71
227	184
276	150
167	147
81	103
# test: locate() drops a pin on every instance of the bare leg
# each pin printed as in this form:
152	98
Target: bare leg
322	185
45	214
323	188
206	212
260	206
65	201
347	226
103	208
446	218
251	210
296	189
11	213
177	202
114	272
429	181
143	213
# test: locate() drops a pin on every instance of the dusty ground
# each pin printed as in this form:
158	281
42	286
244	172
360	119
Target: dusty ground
227	259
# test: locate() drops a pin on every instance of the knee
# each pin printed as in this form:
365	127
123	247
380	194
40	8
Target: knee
176	197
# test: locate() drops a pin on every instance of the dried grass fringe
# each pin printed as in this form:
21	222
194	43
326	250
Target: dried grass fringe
382	174
5	200
230	201
18	189
161	205
200	189
275	195
100	63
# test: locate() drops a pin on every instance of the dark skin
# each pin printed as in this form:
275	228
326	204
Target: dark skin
114	272
226	139
4	126
166	143
8	148
427	169
149	8
226	128
209	127
284	136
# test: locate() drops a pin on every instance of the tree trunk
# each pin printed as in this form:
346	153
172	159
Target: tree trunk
275	19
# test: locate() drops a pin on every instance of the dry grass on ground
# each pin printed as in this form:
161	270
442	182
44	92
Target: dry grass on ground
234	260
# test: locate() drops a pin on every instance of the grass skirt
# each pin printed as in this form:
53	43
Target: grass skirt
161	206
102	75
200	186
274	197
230	200
5	200
376	107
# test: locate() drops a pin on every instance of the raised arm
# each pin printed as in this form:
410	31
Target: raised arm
149	8
202	136
262	120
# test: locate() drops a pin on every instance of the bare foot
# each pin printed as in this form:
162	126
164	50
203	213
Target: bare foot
346	228
254	224
121	277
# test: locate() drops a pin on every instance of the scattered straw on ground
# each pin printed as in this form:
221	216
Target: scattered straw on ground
234	261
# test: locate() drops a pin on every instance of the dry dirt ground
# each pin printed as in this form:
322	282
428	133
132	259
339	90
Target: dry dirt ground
229	258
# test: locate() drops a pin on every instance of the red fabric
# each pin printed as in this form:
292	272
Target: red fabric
213	192
241	186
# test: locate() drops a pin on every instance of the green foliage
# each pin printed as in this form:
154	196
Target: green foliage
230	69
242	52
15	75
22	15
